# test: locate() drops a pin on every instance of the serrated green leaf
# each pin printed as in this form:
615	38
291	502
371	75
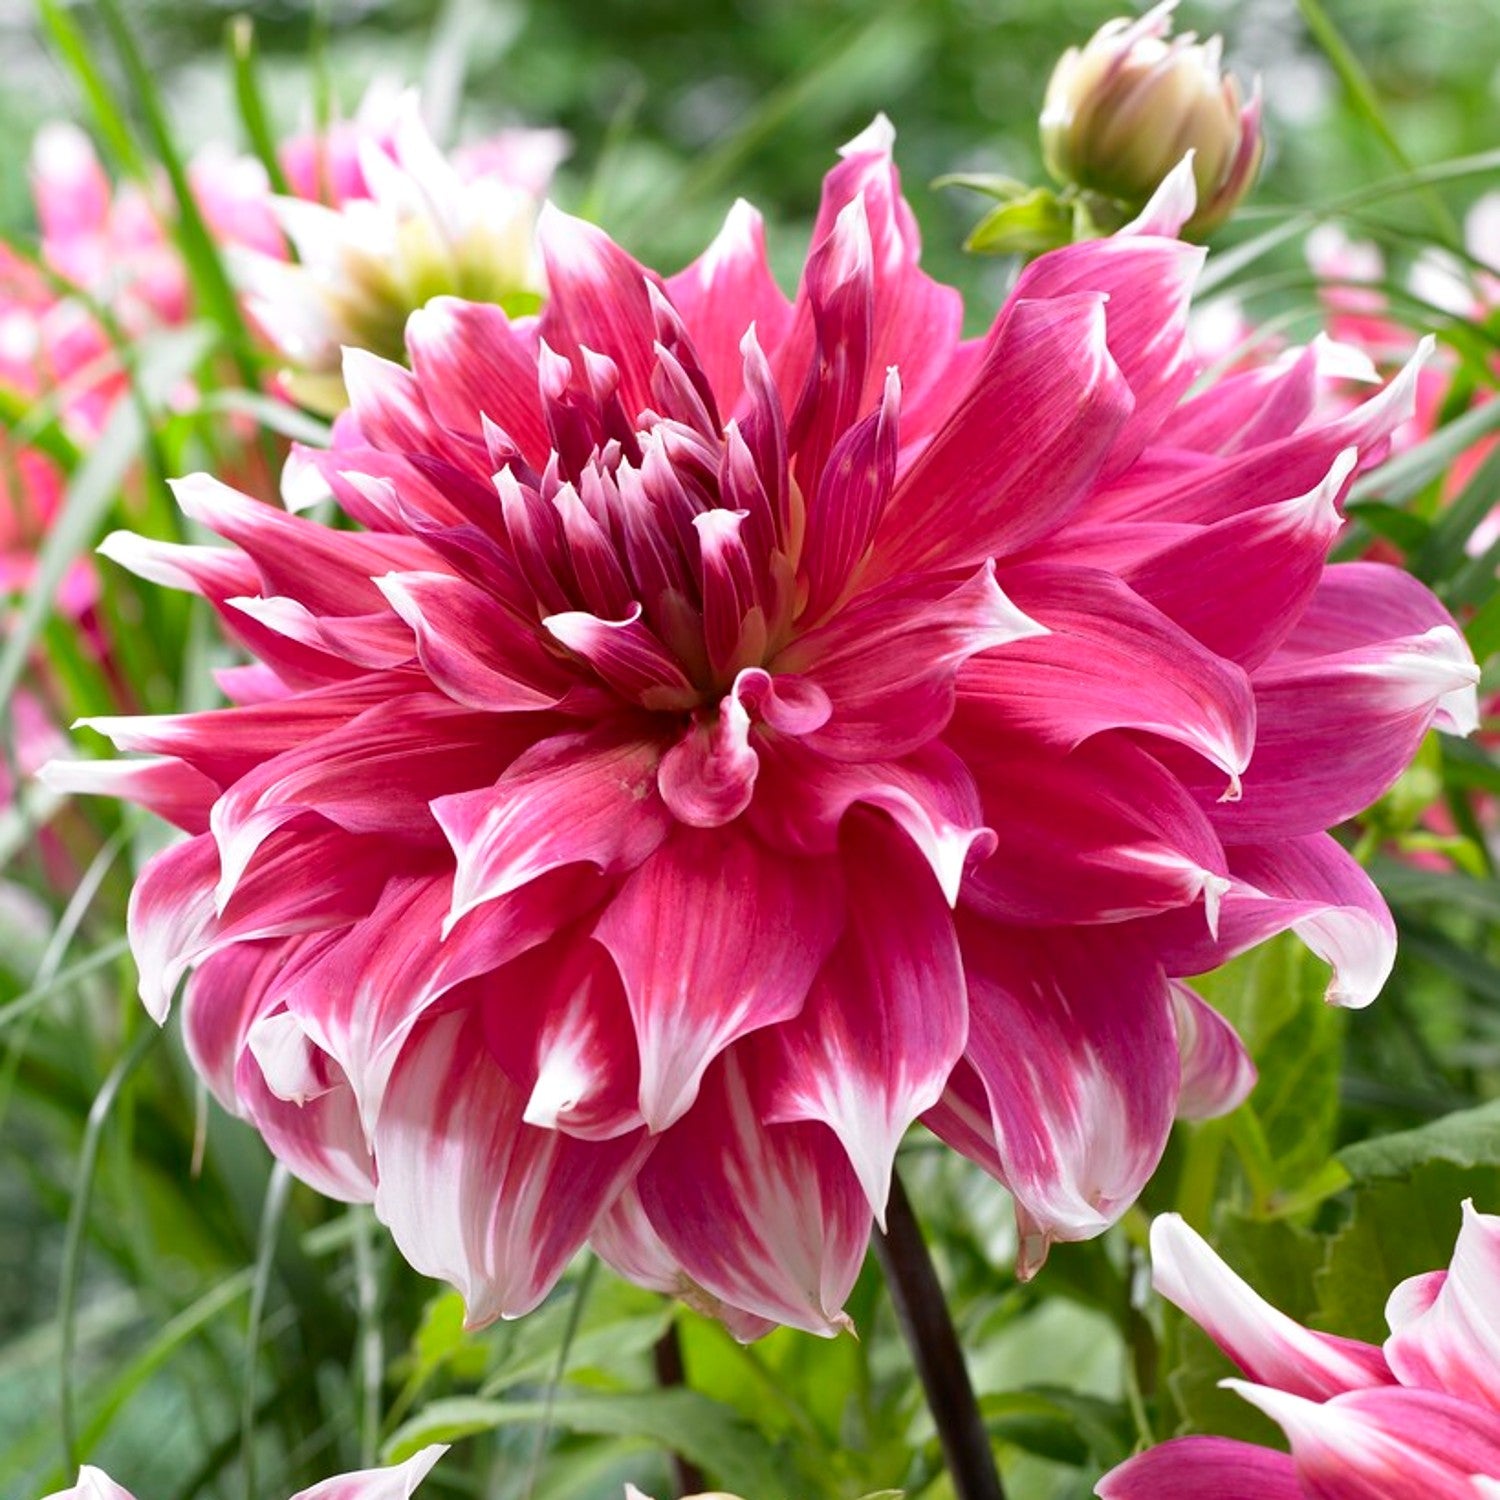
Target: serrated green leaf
1467	1138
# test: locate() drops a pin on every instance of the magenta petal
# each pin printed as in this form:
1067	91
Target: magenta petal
1384	1444
1203	1468
1453	1344
472	1194
589	796
1074	1040
1110	661
1266	1344
726	290
715	936
1217	1073
624	1239
708	777
768	1218
1019	451
887	1016
164	786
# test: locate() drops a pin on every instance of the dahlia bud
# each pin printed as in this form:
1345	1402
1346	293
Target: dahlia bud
1122	112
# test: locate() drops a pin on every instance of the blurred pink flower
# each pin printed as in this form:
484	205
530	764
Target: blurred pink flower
1416	1419
396	1483
744	727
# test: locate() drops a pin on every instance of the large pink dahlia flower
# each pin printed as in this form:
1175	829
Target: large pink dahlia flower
1416	1419
743	727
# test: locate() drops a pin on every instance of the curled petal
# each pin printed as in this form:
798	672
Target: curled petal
768	1218
472	1194
1193	1468
396	1483
1217	1073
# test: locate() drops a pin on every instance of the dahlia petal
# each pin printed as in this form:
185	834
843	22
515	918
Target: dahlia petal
398	1482
1240	584
287	1058
624	1239
1454	1344
1074	1041
306	878
1191	1468
1372	1444
588	796
359	996
888	661
1311	885
852	494
388	403
472	647
597	299
163	786
708	777
929	794
93	1484
1020	449
328	572
1268	1346
1100	834
838	295
1147	280
726	290
472	363
714	916
1170	206
1334	732
557	1022
1111	661
215	573
1217	1073
886	1018
768	1218
627	655
320	1140
471	1193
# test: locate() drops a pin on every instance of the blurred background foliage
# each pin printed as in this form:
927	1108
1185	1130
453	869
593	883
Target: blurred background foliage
173	1310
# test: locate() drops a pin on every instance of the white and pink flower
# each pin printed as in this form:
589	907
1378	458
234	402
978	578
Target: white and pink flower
1415	1419
744	727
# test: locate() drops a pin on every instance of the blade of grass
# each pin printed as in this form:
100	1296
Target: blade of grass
72	1256
239	37
277	1190
78	56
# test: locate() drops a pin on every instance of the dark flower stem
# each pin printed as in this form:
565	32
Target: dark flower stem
922	1312
669	1372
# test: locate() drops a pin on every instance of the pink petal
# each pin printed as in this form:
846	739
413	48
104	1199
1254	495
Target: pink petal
624	1239
1383	1444
1110	661
588	796
163	786
889	660
1314	887
471	362
397	1483
1073	1038
886	1018
627	655
472	647
714	936
708	777
1203	1468
471	1193
1454	1344
726	290
768	1218
1266	1344
1019	451
93	1484
1217	1073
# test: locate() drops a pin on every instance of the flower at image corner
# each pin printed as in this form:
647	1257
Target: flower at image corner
398	1482
1417	1418
743	727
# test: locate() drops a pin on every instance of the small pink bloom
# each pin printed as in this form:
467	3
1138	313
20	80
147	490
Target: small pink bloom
396	1483
744	727
1418	1419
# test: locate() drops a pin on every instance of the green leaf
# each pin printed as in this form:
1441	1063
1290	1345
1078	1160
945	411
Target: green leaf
704	1432
1027	225
1467	1138
1061	1425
